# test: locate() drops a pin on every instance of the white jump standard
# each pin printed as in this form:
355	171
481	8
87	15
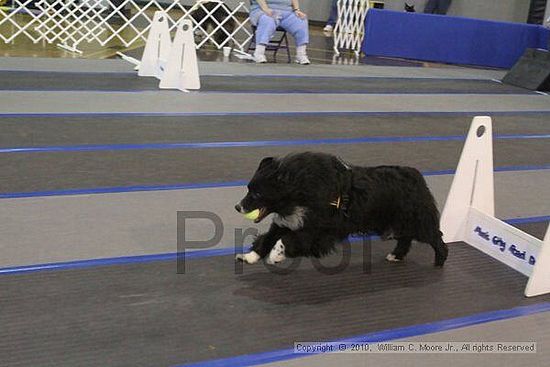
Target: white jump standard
174	63
469	214
157	47
182	68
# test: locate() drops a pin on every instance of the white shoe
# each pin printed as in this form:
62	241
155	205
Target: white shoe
260	59
302	60
328	28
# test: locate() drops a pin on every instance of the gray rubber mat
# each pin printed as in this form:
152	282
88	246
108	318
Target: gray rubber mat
279	84
119	129
339	70
48	81
170	102
25	172
56	64
213	68
59	81
146	315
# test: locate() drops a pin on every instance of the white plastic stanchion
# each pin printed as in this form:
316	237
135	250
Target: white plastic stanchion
182	69
473	181
157	47
468	215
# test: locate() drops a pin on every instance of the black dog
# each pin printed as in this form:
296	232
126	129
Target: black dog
318	200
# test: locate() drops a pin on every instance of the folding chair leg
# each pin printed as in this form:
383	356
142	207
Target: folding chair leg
287	50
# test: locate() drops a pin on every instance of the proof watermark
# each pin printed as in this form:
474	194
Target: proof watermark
210	238
416	347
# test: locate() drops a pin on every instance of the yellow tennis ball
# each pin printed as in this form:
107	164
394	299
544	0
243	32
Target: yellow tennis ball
253	215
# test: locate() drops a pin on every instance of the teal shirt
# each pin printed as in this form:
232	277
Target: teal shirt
282	5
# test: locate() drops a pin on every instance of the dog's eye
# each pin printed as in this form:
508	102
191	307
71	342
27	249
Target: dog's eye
255	195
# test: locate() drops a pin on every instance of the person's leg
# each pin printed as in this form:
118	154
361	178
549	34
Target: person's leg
265	28
298	28
431	6
443	6
333	16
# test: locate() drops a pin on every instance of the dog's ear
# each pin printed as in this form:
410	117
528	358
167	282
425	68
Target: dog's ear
267	161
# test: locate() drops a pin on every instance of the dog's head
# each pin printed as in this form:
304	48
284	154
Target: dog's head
305	180
266	190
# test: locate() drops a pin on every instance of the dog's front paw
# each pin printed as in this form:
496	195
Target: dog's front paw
392	258
277	254
250	258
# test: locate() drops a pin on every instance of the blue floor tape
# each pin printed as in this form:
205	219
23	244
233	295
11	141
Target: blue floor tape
122	189
29	115
258	143
326	91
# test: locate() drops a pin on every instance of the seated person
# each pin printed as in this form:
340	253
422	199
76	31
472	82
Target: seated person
267	15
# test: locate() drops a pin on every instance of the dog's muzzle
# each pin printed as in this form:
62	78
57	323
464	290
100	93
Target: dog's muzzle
263	212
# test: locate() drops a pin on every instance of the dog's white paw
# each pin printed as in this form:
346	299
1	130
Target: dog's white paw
277	254
250	258
392	258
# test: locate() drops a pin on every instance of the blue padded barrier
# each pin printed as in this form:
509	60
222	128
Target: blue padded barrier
455	40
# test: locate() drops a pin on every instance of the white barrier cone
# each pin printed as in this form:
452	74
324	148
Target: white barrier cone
157	47
473	181
182	69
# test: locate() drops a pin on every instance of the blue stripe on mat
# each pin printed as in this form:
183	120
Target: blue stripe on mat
121	189
381	336
106	73
354	77
283	91
189	255
257	143
515	221
208	185
335	113
263	76
496	169
327	91
123	260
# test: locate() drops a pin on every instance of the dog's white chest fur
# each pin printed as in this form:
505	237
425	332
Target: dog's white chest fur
293	221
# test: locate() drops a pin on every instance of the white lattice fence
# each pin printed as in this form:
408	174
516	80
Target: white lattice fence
72	22
12	28
69	23
350	26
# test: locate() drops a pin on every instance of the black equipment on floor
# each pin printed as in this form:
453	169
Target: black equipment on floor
532	71
536	12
